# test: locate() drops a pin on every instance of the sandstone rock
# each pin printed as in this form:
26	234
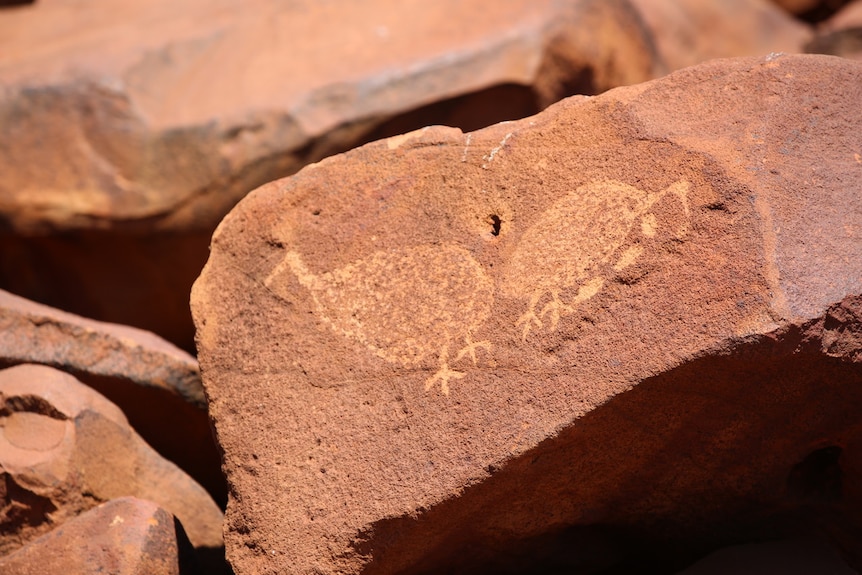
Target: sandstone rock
64	448
841	35
125	536
150	117
155	384
630	318
688	32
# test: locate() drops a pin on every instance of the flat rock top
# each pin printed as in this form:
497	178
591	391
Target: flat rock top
390	326
216	48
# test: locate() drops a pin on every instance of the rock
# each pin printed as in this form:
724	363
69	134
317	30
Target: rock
154	140
616	327
841	35
64	448
802	556
155	384
125	536
688	32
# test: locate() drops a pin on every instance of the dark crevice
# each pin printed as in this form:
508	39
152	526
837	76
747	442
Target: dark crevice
495	224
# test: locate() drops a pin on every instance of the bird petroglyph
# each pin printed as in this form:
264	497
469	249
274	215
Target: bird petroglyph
405	305
579	233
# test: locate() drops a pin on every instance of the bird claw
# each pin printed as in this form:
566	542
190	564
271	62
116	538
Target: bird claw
444	374
471	349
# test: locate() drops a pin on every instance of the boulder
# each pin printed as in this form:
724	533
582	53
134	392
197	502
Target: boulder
126	536
687	32
626	329
130	133
154	383
64	449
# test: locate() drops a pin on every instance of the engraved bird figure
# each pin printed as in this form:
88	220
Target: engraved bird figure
405	305
578	233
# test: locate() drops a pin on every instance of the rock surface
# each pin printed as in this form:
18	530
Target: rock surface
152	141
631	318
126	536
688	32
124	159
155	384
64	448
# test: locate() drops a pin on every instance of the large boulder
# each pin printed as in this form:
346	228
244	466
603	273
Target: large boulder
626	328
154	383
64	449
129	133
687	32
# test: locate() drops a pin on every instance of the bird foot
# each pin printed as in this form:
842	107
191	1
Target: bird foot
554	307
528	318
470	349
444	374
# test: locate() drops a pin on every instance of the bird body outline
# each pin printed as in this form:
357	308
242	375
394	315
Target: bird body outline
404	304
547	259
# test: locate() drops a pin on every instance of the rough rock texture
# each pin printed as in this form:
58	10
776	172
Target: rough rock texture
688	32
145	117
841	35
625	327
155	384
64	448
126	536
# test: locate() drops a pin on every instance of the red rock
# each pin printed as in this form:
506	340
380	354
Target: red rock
688	32
841	35
64	448
616	320
157	129
138	371
125	536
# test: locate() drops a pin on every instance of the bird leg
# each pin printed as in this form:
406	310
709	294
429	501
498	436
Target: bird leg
555	306
529	317
471	348
444	374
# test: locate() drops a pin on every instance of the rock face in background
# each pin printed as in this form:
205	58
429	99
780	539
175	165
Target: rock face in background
688	32
841	35
155	384
623	327
126	536
64	449
129	133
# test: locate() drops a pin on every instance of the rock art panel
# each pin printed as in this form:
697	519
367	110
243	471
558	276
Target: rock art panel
403	305
571	241
667	278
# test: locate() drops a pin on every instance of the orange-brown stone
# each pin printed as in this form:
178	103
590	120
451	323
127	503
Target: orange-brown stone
617	320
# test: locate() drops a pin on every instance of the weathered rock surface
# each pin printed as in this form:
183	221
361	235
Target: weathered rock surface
687	32
155	384
126	536
149	118
631	318
64	448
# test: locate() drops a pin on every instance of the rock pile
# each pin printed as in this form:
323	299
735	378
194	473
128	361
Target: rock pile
611	334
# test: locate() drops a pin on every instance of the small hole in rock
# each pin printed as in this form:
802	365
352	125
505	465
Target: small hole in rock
495	224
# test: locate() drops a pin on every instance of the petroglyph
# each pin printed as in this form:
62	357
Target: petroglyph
405	305
493	153
578	234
